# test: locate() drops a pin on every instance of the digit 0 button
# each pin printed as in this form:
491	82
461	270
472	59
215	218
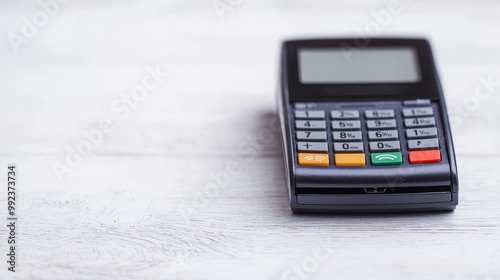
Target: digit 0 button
419	157
353	160
307	159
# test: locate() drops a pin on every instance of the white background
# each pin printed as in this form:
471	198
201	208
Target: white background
137	206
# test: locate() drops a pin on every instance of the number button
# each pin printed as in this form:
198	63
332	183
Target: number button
348	147
383	135
346	125
379	114
312	146
311	135
310	114
385	146
420	122
377	124
310	124
418	112
421	133
344	114
347	135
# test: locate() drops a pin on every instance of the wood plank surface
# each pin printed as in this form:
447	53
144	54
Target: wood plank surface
143	203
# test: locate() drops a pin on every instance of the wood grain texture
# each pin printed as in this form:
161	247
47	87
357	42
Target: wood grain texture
141	205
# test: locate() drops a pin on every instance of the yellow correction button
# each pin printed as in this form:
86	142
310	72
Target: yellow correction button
350	160
307	159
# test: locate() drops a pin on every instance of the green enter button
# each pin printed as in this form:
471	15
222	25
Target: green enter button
394	158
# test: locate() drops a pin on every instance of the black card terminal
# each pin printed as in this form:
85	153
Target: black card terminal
365	127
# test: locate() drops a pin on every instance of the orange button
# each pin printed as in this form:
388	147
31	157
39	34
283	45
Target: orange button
350	160
419	157
307	159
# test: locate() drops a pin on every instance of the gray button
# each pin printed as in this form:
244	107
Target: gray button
300	106
310	114
348	147
379	114
421	132
347	135
381	124
303	106
346	125
383	135
385	146
417	102
424	144
419	122
344	114
310	124
311	135
418	112
312	146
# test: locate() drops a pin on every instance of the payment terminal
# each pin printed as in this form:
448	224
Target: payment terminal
364	127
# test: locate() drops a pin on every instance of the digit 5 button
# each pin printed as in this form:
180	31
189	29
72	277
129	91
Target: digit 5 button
419	157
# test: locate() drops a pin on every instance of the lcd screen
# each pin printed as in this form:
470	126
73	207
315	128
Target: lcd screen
364	65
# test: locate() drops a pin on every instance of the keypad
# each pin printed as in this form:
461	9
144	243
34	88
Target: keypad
356	138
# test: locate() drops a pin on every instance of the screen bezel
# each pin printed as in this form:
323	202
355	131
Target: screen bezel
426	88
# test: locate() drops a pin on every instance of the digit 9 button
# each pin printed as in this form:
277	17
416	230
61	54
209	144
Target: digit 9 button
421	133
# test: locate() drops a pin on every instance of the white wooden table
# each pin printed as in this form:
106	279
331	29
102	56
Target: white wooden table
142	205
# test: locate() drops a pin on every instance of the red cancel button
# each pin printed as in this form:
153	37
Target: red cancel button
419	157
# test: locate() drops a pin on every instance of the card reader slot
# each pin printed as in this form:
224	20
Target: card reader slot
351	191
